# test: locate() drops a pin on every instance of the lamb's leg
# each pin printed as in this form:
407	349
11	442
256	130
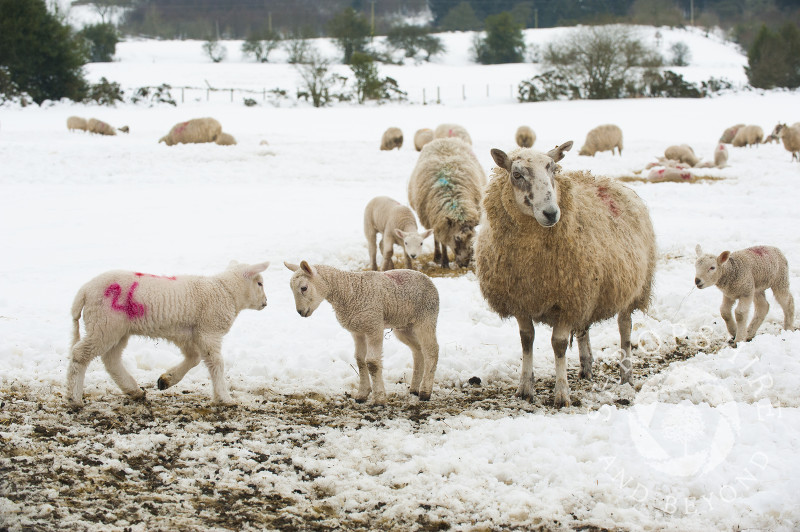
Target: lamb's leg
526	335
741	312
725	311
559	341
82	353
761	309
585	350
364	387
373	248
388	251
375	366
786	301
426	336
112	360
407	337
174	375
211	351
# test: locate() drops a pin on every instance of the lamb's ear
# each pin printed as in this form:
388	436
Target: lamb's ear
698	250
293	267
255	269
309	269
557	153
426	234
233	264
400	234
501	159
723	257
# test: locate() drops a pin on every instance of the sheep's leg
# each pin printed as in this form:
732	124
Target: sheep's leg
364	387
741	312
725	311
445	259
112	360
625	324
212	355
426	336
373	248
375	366
388	251
526	335
437	255
559	341
761	309
786	301
174	375
82	353
407	337
585	350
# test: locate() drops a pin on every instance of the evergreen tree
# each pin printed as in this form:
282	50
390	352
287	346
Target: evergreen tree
351	31
504	42
102	40
774	58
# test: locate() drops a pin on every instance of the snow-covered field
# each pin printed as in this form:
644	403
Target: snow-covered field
707	440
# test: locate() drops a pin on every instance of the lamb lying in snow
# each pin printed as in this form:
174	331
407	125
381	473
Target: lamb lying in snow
193	312
397	224
745	275
366	303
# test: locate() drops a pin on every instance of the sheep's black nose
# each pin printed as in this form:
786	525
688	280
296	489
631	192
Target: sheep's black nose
551	215
697	281
300	312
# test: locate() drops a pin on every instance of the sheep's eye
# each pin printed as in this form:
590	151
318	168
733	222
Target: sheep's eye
260	283
303	289
549	166
517	175
711	269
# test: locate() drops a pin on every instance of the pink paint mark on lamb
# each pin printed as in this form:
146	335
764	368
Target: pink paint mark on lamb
180	127
396	276
761	251
602	193
661	172
139	274
686	176
132	308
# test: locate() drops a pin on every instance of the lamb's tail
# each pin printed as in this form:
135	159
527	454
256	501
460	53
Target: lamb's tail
77	308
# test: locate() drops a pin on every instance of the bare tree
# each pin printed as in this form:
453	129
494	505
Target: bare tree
318	82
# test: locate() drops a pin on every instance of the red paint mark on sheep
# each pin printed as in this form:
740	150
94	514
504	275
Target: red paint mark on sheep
180	127
395	276
761	251
602	193
686	176
139	274
132	308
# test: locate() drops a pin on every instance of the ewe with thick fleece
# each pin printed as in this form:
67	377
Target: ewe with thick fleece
225	139
748	136
422	137
397	224
194	131
392	138
445	190
745	275
525	137
790	136
194	312
367	303
76	122
683	153
730	133
565	249
602	138
99	127
444	131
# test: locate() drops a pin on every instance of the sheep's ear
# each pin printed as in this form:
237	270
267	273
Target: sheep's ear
698	250
255	269
232	264
400	234
293	267
426	234
723	257
501	159
309	269
557	153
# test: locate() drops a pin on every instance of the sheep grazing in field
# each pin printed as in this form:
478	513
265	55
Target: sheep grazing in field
677	174
683	153
602	138
367	303
194	312
397	224
566	249
445	190
99	127
728	135
392	138
444	131
745	275
790	136
422	137
748	136
194	131
76	122
525	137
225	139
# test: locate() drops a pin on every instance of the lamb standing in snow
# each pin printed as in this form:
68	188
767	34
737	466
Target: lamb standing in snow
194	312
602	138
397	224
444	131
392	138
76	122
367	303
745	275
566	249
525	137
422	137
194	131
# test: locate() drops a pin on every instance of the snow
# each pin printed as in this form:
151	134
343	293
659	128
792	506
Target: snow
705	442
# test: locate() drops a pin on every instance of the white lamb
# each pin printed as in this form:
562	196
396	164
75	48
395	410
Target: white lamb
745	275
397	224
367	303
194	312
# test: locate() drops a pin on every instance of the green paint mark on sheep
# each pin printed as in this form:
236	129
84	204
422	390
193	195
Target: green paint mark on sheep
443	182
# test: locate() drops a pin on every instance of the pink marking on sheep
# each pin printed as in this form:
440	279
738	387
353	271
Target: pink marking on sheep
761	251
602	192
139	274
396	276
132	308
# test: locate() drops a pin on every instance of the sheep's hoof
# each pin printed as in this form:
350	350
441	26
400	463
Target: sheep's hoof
424	396
524	395
139	395
414	392
561	400
586	374
379	399
163	383
75	405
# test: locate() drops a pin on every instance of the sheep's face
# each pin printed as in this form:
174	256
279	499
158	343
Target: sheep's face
532	178
412	241
254	296
462	245
708	268
307	295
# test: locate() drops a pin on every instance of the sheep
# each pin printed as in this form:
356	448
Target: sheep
422	137
392	138
99	127
367	303
721	156
679	173
525	137
748	136
728	135
443	131
683	153
745	275
194	312
790	136
397	225
445	190
225	139
197	130
566	249
602	138
76	122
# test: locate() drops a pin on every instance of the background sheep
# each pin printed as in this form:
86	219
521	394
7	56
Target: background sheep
748	136
445	190
195	131
525	137
602	138
790	136
392	138
397	224
745	275
721	156
76	122
443	131
683	153
367	303
193	312
565	249
225	139
730	133
678	174
99	127
422	137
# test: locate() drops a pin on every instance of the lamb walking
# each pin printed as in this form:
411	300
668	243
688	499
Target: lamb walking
397	224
